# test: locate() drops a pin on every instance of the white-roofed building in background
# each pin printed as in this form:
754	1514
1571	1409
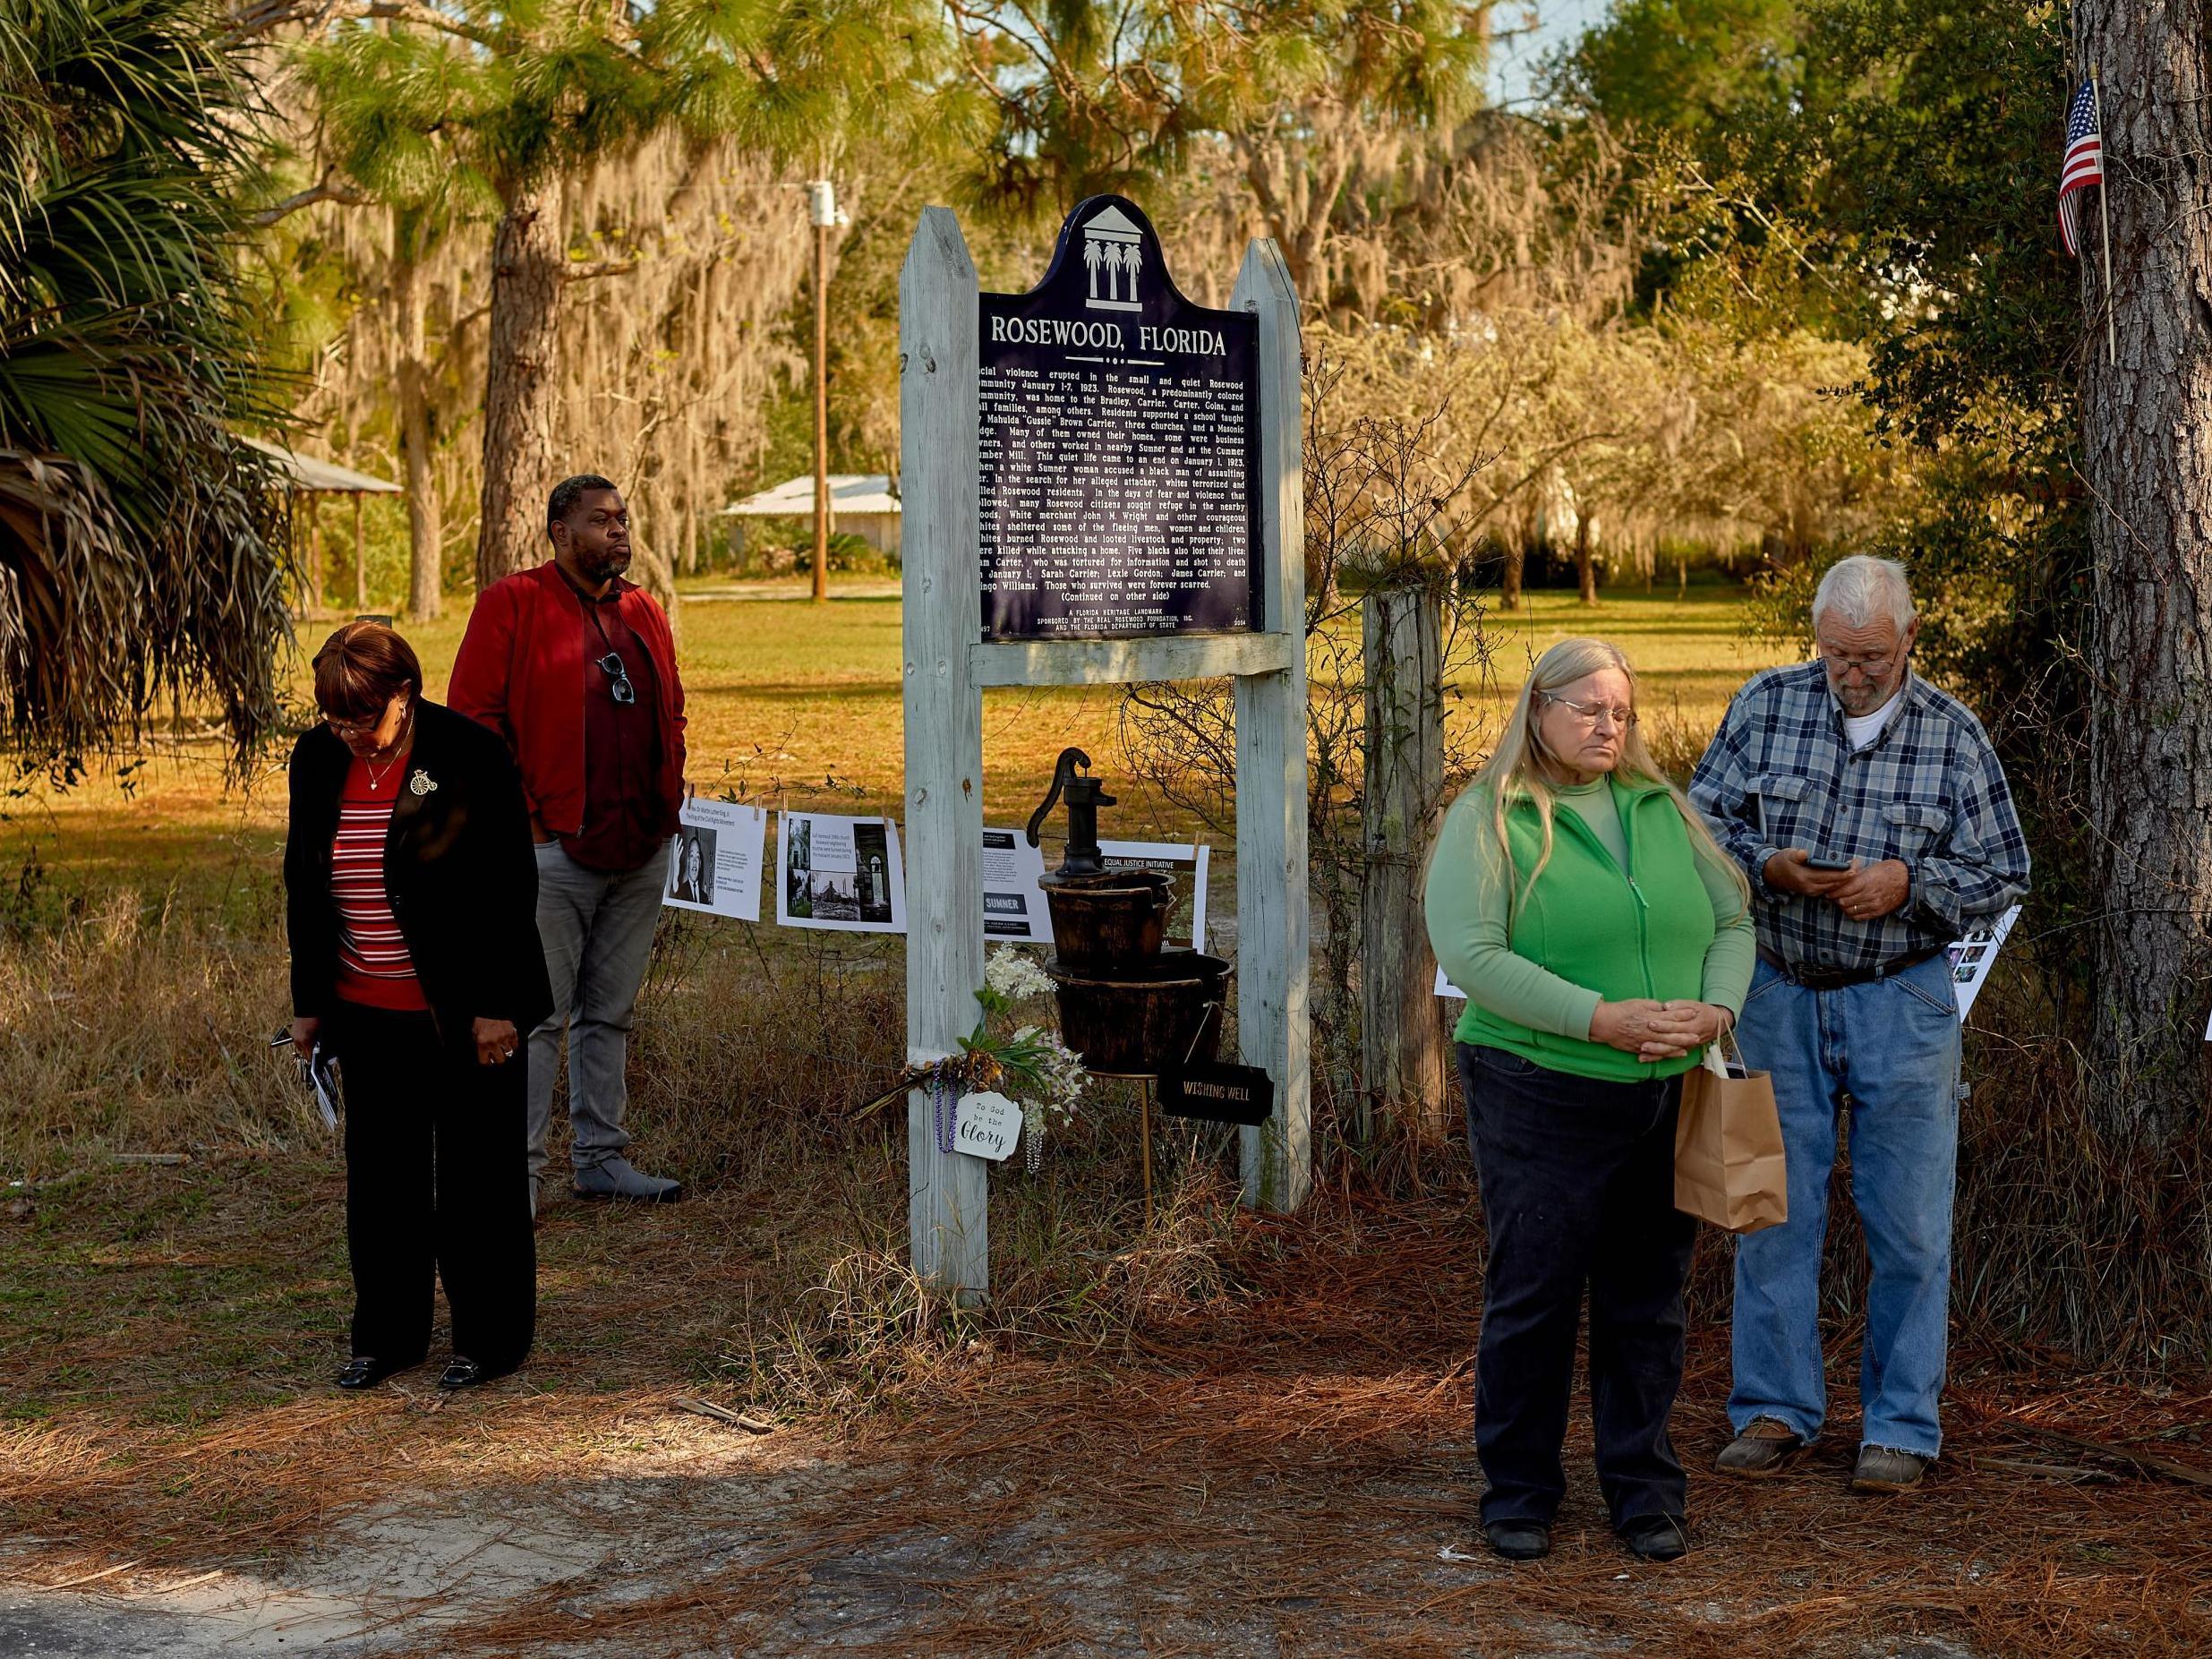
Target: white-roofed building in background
310	479
861	504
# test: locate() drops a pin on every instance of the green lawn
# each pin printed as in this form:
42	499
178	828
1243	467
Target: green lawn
790	702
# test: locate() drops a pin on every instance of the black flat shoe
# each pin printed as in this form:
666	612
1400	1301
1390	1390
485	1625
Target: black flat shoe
464	1373
362	1372
1519	1540
1656	1537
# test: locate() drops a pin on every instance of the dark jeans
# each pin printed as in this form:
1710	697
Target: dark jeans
1579	1191
437	1185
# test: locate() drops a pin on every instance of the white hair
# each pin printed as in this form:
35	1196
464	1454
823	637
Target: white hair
1862	588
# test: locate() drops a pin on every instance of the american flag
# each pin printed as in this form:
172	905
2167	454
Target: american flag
2084	167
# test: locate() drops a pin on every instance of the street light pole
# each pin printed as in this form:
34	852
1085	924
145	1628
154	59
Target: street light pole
822	209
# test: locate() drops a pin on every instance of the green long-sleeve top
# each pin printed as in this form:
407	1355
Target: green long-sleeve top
1667	923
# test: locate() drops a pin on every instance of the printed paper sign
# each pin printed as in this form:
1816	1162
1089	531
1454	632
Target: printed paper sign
1014	898
1972	957
714	860
1186	922
986	1125
838	873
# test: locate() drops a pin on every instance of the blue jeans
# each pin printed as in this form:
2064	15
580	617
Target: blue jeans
1888	1054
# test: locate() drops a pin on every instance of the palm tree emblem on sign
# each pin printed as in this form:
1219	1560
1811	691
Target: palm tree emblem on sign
1115	247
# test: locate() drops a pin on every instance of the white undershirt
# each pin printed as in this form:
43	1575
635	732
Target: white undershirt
1864	729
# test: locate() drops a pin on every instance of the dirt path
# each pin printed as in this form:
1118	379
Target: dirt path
1263	1454
1239	1516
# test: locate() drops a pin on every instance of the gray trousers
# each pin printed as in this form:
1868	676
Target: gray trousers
597	930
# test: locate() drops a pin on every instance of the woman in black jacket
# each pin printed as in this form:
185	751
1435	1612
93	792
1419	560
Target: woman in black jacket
411	902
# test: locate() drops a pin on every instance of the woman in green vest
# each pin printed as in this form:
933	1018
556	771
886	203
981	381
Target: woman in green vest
1601	939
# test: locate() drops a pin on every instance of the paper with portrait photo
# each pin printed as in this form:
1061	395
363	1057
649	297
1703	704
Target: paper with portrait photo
838	873
714	860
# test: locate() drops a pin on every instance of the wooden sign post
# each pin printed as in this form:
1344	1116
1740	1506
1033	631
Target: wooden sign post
1110	561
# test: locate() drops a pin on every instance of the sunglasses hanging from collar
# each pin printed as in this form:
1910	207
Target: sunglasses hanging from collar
618	686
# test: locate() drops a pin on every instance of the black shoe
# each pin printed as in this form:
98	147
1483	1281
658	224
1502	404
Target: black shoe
464	1373
1656	1537
1519	1540
362	1372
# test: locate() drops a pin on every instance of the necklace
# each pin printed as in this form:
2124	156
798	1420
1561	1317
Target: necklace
399	753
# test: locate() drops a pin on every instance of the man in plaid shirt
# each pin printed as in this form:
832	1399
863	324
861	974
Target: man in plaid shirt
1873	819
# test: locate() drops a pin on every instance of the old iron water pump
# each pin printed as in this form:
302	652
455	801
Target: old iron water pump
1086	794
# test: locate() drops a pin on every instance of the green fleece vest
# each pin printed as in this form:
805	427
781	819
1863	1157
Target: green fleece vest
1642	933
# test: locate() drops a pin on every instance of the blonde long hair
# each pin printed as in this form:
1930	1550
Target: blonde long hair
1516	767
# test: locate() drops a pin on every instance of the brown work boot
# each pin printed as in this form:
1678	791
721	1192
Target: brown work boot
1762	1451
1880	1469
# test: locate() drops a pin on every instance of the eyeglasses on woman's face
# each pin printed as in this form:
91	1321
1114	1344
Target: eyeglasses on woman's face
366	726
1595	715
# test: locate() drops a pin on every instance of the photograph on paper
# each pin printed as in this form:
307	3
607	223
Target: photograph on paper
838	873
1973	956
1185	868
714	860
1014	898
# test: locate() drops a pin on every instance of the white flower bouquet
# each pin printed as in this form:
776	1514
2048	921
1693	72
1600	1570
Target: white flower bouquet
1027	1064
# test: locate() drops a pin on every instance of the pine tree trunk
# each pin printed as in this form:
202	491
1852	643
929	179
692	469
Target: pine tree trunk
519	385
425	531
2146	437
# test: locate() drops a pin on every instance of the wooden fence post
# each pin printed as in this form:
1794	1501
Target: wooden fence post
948	1195
1401	1029
1273	936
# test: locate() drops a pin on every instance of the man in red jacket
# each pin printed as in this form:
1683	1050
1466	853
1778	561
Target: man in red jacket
575	668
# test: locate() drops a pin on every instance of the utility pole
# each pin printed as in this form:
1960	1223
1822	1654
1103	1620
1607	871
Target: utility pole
822	210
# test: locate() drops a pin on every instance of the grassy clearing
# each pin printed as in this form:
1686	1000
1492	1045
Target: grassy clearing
788	702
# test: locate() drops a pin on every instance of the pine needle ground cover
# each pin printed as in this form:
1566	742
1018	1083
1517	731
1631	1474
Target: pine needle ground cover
1214	1435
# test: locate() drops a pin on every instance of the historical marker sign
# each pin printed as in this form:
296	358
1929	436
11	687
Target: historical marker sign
1118	446
1167	437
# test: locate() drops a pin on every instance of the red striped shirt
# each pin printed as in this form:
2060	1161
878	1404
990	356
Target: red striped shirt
374	965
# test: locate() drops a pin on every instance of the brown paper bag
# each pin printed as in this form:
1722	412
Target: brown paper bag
1728	1148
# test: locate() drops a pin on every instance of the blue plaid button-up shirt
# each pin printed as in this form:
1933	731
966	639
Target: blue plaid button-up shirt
1781	774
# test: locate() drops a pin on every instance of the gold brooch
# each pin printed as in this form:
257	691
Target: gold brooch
421	782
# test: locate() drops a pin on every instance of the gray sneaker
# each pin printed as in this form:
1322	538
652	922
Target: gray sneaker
1764	1449
1880	1469
614	1178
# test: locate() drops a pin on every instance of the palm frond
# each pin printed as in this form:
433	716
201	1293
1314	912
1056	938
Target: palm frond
142	550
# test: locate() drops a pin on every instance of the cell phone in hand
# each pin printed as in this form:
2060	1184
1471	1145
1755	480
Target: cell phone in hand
1833	866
